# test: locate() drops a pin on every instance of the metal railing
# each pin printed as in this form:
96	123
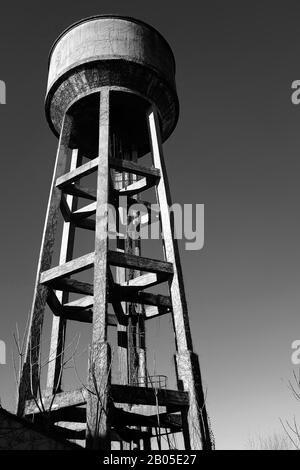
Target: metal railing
155	381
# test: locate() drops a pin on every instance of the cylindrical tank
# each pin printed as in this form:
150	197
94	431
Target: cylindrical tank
107	50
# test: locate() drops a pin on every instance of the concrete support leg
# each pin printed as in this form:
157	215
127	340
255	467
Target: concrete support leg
98	406
195	421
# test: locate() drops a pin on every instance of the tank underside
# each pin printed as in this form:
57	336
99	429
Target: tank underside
119	75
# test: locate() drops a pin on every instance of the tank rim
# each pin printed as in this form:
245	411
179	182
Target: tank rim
121	17
53	129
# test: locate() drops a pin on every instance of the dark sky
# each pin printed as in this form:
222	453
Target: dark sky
235	149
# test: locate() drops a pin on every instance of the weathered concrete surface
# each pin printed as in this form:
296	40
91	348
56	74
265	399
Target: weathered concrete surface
117	52
111	38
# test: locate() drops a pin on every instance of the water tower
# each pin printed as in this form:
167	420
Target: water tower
112	102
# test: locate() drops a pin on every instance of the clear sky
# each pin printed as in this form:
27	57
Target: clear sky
235	149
